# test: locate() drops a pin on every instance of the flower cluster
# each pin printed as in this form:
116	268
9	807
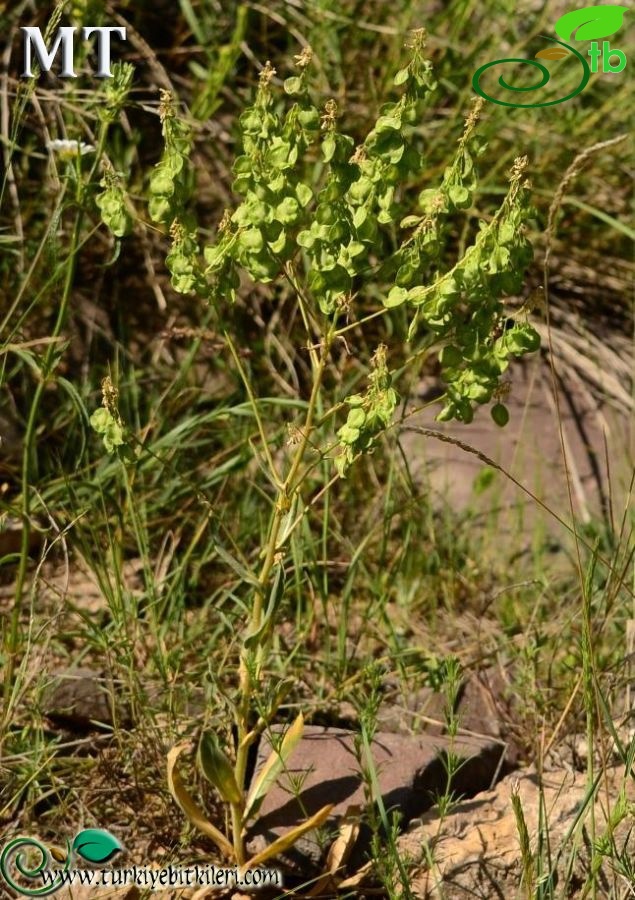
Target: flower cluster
111	202
332	218
260	235
369	413
106	420
171	182
359	194
464	306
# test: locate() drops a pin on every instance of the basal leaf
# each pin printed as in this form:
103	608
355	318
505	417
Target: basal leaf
217	768
289	839
591	23
189	807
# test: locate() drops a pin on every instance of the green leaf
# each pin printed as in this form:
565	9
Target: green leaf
410	221
293	85
96	845
162	183
402	76
355	248
273	767
288	211
251	121
309	119
218	770
590	24
254	638
214	256
387	123
460	196
278	246
519	340
113	438
500	414
356	418
328	148
360	216
304	194
236	565
396	297
252	239
348	435
101	420
306	239
450	356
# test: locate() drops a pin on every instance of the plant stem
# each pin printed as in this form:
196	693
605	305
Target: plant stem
237	833
283	501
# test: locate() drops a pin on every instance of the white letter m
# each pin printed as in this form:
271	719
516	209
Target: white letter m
65	37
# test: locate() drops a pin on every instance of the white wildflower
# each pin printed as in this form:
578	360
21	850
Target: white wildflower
69	149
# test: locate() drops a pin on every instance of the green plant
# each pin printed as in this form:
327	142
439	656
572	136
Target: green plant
324	219
390	867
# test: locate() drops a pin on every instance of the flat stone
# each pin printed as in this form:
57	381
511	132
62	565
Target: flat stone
481	708
325	770
83	698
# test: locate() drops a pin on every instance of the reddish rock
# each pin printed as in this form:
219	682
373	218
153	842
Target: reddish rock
325	770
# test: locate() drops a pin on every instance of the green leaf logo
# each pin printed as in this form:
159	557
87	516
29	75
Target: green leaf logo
590	24
96	845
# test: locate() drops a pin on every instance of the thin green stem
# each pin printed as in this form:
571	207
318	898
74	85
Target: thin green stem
237	834
256	411
283	503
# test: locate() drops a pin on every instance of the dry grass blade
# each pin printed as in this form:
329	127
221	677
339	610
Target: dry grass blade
574	169
356	879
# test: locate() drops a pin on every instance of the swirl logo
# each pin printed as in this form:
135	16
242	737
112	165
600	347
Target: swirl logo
30	859
590	23
15	863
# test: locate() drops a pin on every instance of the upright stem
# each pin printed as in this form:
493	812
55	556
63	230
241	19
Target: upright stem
288	488
283	500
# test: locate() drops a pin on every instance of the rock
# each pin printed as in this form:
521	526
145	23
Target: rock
11	536
476	849
481	704
480	708
325	769
422	710
595	429
83	699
